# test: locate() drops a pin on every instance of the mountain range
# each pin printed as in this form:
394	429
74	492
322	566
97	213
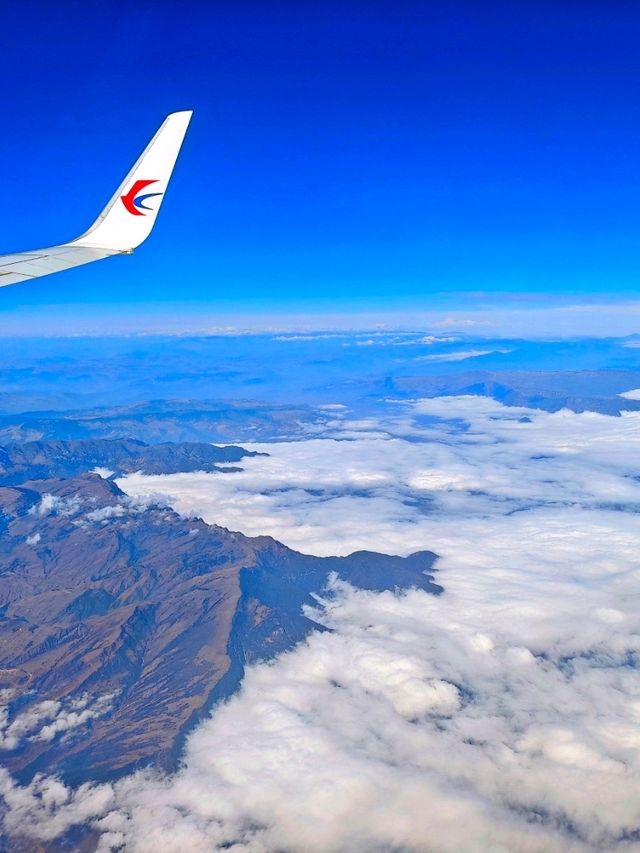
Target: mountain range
121	622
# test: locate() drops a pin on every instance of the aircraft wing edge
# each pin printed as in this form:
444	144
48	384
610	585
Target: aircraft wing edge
126	221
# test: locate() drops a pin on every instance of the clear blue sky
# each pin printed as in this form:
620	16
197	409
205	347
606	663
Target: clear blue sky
342	155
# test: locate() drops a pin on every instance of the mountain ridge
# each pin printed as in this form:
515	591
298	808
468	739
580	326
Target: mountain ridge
121	622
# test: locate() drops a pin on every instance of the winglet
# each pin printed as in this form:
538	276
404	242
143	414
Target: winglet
131	213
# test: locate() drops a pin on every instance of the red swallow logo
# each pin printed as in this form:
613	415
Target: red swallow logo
134	202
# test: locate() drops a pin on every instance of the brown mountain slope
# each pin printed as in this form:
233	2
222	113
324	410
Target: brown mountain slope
120	622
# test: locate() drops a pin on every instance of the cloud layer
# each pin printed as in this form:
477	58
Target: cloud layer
502	715
395	486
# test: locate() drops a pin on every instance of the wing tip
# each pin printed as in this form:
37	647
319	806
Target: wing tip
181	113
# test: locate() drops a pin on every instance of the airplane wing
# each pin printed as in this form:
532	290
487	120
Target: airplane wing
125	222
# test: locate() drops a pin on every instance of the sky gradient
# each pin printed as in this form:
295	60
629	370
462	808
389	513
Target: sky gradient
343	158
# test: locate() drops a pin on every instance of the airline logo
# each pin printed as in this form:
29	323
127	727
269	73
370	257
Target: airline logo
134	202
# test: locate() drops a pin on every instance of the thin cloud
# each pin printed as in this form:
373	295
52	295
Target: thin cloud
462	355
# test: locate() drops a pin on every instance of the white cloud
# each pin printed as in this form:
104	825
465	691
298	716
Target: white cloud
33	539
76	713
50	718
429	340
462	355
12	733
46	807
126	506
107	513
458	322
502	715
631	395
54	505
319	337
103	472
381	489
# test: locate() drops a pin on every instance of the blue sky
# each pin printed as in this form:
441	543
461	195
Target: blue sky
343	158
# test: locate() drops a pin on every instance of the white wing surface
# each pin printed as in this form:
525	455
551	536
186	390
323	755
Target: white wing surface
125	222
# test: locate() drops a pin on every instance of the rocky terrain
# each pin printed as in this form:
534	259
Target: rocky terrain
160	421
191	420
121	622
37	459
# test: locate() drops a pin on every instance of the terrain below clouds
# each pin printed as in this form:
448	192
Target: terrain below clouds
357	688
239	388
